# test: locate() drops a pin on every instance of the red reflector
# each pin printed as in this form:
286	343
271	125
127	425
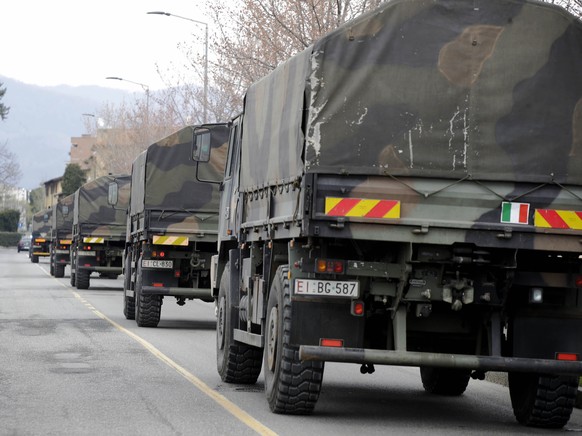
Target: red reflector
567	356
177	274
158	285
358	308
87	264
331	342
579	281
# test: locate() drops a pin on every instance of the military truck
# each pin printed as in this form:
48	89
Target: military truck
172	222
61	234
99	227
41	238
407	191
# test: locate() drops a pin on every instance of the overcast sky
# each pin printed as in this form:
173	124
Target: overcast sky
75	42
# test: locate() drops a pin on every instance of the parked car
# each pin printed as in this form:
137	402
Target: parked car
24	243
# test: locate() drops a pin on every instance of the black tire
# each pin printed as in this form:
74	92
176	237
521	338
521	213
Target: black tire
148	308
34	259
445	381
82	280
73	277
292	386
59	271
542	400
128	302
236	362
52	266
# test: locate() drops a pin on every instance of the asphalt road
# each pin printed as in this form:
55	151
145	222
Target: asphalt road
71	364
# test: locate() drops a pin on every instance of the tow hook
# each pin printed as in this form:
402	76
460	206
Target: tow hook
367	368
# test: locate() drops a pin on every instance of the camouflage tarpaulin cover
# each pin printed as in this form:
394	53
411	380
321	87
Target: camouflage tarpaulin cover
62	215
489	89
164	175
41	224
93	212
272	136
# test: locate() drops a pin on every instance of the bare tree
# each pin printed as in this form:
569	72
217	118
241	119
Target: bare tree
125	130
9	167
572	6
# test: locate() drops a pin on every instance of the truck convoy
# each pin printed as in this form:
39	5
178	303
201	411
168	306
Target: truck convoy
99	227
407	191
41	237
61	234
172	223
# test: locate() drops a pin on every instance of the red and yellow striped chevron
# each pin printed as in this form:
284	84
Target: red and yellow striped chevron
558	219
362	207
170	240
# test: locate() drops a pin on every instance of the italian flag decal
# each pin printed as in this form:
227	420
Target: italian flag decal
514	213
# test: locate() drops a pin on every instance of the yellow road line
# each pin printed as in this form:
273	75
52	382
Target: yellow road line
228	405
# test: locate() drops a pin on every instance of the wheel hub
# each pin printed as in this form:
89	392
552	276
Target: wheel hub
220	325
272	338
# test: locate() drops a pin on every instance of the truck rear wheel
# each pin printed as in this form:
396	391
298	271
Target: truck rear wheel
292	386
128	302
34	259
82	280
147	307
59	271
542	400
236	362
444	381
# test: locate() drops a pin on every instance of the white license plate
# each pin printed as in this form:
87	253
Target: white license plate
86	253
147	263
327	288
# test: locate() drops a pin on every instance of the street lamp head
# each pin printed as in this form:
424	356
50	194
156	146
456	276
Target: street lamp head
113	78
159	13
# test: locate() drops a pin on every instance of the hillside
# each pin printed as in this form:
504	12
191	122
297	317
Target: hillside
42	121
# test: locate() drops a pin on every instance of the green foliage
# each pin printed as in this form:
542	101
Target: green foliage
9	220
36	200
73	179
3	108
9	239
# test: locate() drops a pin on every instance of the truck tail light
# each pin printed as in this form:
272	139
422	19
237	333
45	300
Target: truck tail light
326	342
329	266
567	356
358	308
579	281
158	285
177	274
157	254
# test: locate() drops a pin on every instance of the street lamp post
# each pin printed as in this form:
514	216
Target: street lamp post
167	14
145	87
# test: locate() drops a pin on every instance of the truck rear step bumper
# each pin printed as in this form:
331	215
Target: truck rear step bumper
105	269
205	293
457	361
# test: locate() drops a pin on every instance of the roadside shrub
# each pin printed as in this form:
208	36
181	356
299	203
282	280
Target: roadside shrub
9	239
9	220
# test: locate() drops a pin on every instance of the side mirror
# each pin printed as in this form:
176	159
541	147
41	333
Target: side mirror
45	217
112	195
201	145
65	210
